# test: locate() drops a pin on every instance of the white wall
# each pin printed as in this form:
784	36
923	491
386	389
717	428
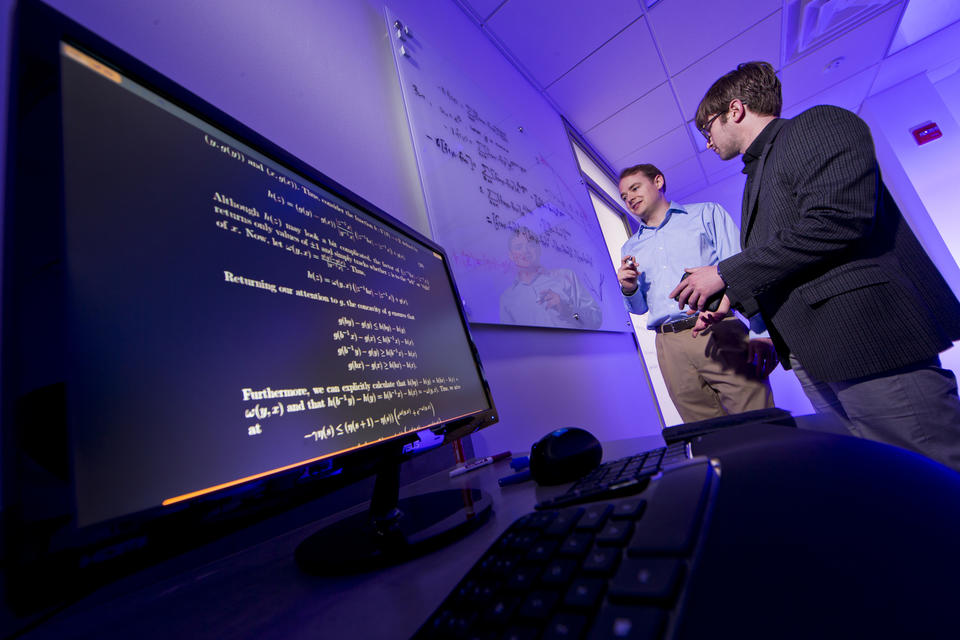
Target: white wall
924	179
317	77
949	90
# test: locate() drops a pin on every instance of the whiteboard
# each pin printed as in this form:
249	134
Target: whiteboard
515	219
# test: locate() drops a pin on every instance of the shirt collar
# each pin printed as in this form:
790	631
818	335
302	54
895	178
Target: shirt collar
540	271
674	207
753	152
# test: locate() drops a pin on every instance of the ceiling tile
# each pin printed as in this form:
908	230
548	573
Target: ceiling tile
688	30
940	48
761	42
684	178
718	169
638	124
615	75
728	192
849	94
839	59
548	40
921	19
482	8
665	151
701	142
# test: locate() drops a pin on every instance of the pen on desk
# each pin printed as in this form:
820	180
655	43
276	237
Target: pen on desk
516	478
476	464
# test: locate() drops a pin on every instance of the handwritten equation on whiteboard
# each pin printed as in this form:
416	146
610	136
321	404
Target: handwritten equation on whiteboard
511	212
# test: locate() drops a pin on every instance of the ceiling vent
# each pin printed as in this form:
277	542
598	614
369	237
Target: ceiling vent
810	24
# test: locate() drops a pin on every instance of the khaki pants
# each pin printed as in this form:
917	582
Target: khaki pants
709	376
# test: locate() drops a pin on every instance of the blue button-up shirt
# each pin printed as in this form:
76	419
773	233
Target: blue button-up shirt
690	235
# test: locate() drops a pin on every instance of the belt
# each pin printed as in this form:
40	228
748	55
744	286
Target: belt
678	326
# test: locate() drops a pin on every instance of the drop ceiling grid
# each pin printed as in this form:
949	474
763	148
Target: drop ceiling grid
550	38
689	30
627	77
625	68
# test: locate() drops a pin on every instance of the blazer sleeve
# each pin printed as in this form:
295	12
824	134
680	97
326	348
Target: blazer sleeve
821	194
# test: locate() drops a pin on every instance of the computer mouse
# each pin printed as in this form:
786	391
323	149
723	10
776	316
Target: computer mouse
564	455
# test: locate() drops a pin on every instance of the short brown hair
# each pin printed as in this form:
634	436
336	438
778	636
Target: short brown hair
648	170
754	83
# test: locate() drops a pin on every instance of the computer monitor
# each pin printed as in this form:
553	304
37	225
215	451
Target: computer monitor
195	321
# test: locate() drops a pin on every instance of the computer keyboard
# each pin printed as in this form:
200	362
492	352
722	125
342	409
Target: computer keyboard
610	569
625	476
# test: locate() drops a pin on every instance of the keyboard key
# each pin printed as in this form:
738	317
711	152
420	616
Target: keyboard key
523	578
644	579
498	565
522	541
565	626
615	533
629	508
500	611
559	572
577	544
564	522
602	560
522	633
628	623
540	521
650	465
477	592
450	623
542	551
539	605
594	517
585	593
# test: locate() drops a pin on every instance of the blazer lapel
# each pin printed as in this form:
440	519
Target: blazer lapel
748	214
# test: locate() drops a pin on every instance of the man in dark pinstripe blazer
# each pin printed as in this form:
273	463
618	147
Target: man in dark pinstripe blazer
853	303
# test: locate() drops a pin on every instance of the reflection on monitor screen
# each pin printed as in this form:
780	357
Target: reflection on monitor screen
188	309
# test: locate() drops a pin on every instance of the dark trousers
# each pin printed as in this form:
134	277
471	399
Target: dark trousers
916	407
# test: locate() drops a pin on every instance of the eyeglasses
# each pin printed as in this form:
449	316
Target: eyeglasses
705	130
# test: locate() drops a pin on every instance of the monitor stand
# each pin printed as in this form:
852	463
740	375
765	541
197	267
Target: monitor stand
393	530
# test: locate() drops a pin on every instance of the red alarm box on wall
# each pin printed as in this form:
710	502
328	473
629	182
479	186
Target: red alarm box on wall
926	132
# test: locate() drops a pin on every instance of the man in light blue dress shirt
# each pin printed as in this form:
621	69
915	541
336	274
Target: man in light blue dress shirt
723	370
545	297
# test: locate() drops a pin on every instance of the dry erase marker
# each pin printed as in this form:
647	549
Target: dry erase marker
479	462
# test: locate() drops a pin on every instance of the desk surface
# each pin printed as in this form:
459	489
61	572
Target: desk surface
809	535
260	593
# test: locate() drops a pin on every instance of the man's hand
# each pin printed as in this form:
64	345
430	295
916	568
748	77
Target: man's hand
702	283
707	319
550	299
762	355
627	274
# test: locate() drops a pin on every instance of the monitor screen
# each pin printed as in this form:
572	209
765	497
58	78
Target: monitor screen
188	309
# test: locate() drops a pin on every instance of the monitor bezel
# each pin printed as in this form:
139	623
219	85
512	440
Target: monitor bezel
124	544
